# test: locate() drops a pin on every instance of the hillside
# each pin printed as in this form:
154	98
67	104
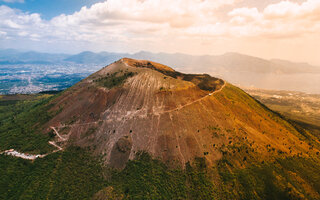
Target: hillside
177	136
298	106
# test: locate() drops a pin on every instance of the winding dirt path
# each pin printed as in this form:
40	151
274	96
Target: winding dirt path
56	132
12	152
79	124
55	145
195	101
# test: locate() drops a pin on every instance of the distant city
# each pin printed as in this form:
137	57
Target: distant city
34	78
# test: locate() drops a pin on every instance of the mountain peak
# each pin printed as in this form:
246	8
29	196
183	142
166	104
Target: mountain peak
146	64
139	105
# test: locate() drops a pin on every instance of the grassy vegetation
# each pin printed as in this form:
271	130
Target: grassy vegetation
114	79
301	108
147	178
76	174
313	129
20	124
71	174
288	178
235	94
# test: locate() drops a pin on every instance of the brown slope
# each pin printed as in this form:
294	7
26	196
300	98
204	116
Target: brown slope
134	105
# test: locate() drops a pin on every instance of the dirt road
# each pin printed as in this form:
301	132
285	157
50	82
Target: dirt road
12	152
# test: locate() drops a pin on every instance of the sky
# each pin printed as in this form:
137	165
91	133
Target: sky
265	28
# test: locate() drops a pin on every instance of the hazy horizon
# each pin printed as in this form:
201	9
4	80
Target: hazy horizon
159	52
27	72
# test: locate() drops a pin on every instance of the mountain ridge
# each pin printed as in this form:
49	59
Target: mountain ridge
226	61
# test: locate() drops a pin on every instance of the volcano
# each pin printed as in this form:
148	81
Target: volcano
137	129
132	105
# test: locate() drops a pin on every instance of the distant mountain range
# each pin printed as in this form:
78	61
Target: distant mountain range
188	63
12	56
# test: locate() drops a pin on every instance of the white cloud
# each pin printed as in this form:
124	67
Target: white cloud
283	19
134	19
179	13
244	15
165	25
309	10
18	24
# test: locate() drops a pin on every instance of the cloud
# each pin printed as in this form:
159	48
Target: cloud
165	25
282	19
128	20
13	1
134	19
13	22
180	13
244	15
308	10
